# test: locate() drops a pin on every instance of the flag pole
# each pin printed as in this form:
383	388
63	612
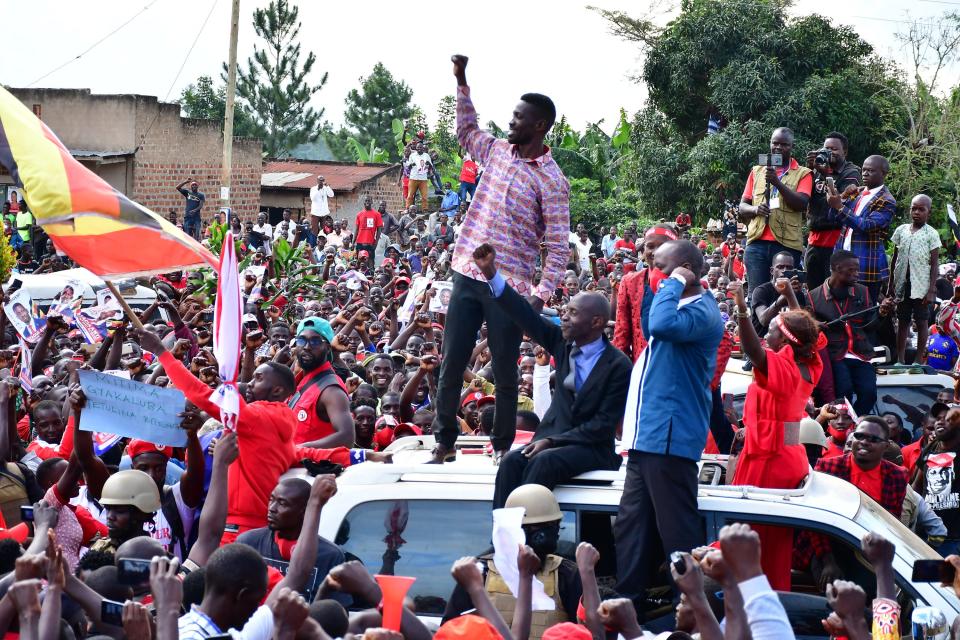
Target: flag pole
134	318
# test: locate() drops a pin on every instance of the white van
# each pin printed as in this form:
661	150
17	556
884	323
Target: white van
44	287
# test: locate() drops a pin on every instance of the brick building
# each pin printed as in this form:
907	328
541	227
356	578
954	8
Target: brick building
285	184
143	148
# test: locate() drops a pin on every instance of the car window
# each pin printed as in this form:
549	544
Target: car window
907	401
423	538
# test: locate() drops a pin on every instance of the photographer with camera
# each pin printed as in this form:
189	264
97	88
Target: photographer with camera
774	199
829	164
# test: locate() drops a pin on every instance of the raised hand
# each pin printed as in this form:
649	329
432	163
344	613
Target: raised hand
467	574
460	68
527	561
485	258
741	551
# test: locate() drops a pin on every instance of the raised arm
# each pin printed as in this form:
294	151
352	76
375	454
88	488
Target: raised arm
94	471
213	517
749	340
477	142
191	482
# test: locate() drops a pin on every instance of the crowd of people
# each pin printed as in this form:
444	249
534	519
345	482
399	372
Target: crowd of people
478	311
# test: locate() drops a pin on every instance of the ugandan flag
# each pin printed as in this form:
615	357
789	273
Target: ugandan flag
87	219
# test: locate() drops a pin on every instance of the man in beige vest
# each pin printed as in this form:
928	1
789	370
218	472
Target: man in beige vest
560	577
774	221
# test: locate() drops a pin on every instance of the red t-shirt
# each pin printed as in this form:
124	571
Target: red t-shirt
367	224
826	238
911	453
469	172
805	187
867	481
624	244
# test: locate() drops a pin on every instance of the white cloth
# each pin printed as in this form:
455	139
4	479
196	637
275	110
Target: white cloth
507	537
159	528
226	335
419	164
583	252
336	239
765	614
319	200
541	389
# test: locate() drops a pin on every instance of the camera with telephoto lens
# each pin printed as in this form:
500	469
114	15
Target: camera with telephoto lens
823	158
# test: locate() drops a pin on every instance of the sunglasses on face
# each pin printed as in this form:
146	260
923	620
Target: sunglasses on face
314	342
866	437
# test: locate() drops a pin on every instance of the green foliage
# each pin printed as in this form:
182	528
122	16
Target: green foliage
339	142
369	153
371	110
8	258
202	100
756	68
274	88
594	155
588	207
291	266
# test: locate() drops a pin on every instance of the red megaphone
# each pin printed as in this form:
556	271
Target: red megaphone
394	590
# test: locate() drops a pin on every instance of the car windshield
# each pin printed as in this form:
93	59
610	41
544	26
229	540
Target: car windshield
873	517
910	402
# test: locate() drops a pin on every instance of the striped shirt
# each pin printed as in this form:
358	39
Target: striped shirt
518	202
196	625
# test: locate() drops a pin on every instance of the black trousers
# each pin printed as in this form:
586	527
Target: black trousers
658	515
550	467
817	263
470	304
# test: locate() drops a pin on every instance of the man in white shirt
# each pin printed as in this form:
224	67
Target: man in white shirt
420	166
608	244
265	232
582	244
319	203
286	229
338	236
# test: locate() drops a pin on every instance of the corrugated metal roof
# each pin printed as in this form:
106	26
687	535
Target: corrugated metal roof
291	174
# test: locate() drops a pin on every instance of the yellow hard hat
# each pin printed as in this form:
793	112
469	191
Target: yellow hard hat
538	502
132	488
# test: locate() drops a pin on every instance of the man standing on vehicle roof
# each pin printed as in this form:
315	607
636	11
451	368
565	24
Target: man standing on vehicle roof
522	201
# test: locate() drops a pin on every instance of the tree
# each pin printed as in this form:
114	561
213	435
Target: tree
274	87
201	100
754	68
371	110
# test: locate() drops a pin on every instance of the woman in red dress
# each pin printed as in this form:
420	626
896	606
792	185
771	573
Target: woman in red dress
785	373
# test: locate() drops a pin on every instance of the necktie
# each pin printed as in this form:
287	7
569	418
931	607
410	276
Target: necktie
570	382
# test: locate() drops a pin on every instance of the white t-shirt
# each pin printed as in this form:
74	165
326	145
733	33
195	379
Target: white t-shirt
419	164
335	239
159	528
318	200
583	251
291	232
267	230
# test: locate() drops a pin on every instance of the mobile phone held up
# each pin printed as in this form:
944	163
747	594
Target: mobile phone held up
933	571
111	612
131	571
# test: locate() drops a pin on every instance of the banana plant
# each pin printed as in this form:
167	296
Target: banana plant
370	153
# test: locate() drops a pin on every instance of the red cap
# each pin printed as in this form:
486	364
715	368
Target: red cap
567	631
407	429
387	261
468	627
485	400
136	447
475	396
364	254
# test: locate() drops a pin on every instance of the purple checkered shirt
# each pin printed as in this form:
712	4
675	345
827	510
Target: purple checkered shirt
518	202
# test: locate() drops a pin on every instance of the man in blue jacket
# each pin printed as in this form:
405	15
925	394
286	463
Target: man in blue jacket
666	421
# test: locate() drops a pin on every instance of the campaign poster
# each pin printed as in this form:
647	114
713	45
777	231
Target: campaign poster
25	316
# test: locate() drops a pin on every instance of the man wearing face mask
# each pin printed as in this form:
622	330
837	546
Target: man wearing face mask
321	403
666	420
560	577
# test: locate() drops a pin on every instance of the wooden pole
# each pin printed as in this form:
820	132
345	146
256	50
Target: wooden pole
134	318
228	113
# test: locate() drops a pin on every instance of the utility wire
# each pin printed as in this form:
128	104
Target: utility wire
94	45
179	71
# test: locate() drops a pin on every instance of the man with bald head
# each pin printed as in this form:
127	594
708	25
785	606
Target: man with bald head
577	432
916	256
864	215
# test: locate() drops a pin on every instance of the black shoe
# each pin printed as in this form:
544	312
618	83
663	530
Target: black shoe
442	454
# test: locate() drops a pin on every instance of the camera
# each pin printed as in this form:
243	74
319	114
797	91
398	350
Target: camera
823	157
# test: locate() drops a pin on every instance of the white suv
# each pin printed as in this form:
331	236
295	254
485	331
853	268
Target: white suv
413	519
